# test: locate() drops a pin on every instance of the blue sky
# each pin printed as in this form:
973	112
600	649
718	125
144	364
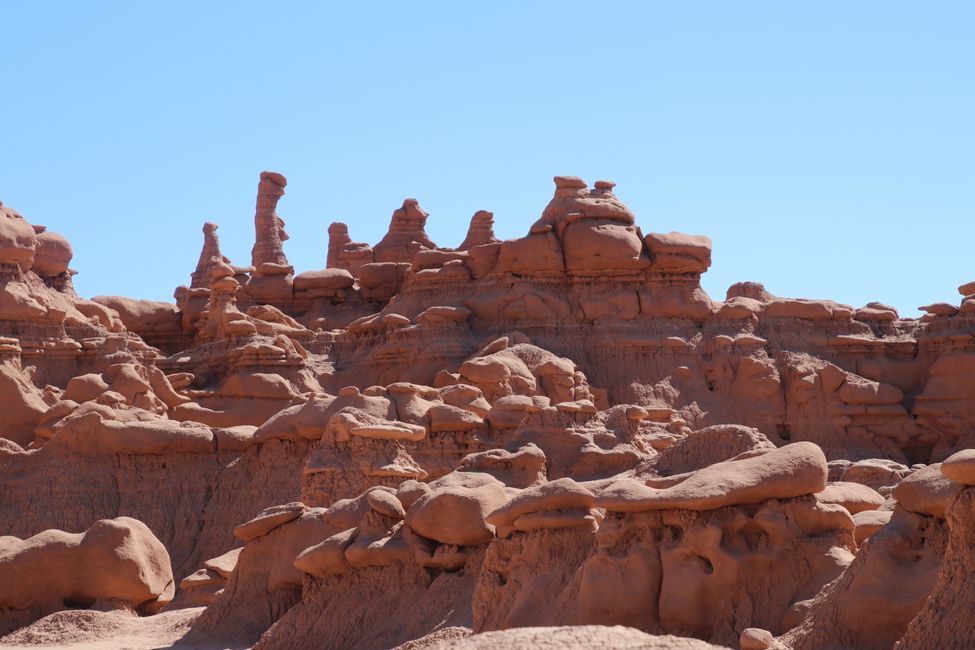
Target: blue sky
827	148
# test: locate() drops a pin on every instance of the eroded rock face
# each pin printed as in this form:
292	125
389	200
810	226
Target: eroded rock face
17	239
561	429
116	562
952	596
269	227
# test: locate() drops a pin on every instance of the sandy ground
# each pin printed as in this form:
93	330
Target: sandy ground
93	630
576	637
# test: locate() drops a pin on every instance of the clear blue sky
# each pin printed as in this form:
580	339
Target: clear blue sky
828	148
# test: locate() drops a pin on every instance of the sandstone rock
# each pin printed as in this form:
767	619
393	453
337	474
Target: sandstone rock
267	520
852	496
17	239
52	254
679	253
960	467
406	235
869	522
345	254
537	254
480	232
708	446
114	560
330	279
560	494
852	611
386	504
269	228
225	564
942	620
940	309
454	510
327	558
927	491
877	473
753	638
793	470
521	468
211	259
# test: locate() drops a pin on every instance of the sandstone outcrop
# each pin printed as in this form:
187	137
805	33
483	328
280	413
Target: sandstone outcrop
541	438
115	563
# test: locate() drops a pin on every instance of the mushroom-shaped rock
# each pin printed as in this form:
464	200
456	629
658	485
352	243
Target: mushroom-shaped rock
852	496
926	492
791	471
508	412
444	417
595	228
454	510
754	638
386	504
397	431
443	314
326	558
52	254
269	519
960	467
17	239
560	494
939	309
679	253
201	578
869	522
377	543
225	564
325	279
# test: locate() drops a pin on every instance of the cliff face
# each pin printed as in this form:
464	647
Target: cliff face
562	429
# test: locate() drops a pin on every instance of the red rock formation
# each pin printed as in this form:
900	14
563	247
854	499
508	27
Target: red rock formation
406	236
115	562
272	276
210	258
480	232
557	430
343	253
268	226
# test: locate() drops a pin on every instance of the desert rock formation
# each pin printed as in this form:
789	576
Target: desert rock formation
559	438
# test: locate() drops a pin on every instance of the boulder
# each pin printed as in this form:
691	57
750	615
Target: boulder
960	467
114	560
454	510
791	471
